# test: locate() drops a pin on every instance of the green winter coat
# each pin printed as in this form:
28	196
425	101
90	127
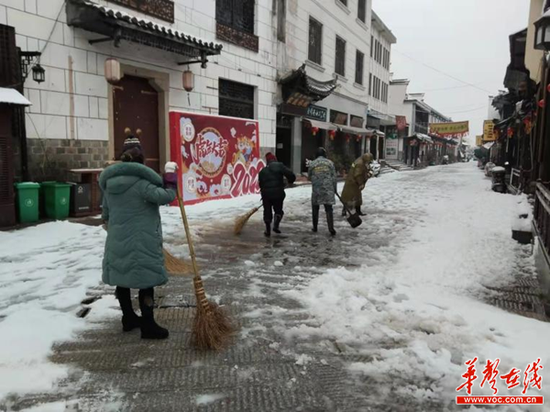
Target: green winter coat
355	180
132	194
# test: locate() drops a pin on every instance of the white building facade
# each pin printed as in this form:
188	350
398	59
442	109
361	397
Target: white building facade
77	117
246	62
331	43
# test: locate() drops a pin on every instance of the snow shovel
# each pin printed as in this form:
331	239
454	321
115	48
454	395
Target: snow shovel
354	219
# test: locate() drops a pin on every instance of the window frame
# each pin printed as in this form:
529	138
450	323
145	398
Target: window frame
359	68
362	8
320	41
221	19
233	99
340	60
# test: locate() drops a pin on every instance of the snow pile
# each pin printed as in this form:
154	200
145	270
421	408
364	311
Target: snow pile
414	306
44	274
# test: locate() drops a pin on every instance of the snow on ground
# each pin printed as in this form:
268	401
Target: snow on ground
414	305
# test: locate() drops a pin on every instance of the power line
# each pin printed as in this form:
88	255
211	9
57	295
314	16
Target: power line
442	72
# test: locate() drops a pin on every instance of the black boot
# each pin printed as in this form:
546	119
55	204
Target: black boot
330	220
277	222
358	211
267	232
130	320
315	216
149	328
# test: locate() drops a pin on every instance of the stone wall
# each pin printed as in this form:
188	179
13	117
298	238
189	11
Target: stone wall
49	159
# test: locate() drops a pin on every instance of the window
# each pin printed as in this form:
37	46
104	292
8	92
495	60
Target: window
340	63
370	84
362	10
238	14
236	99
315	41
359	62
281	20
371	46
344	2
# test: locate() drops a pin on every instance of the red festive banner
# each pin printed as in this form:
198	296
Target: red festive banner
218	157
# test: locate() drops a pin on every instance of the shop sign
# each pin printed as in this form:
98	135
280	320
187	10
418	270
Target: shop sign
489	134
218	157
448	130
317	113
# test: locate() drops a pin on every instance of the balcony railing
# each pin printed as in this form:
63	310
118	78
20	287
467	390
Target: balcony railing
542	215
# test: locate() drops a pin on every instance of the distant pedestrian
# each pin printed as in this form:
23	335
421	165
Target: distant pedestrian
272	186
132	194
358	175
322	174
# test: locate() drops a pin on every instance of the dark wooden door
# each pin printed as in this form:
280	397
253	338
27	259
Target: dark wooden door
136	106
7	206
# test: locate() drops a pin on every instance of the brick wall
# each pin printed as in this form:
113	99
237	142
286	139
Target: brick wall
49	159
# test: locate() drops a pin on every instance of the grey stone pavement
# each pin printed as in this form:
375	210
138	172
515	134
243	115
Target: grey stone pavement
260	371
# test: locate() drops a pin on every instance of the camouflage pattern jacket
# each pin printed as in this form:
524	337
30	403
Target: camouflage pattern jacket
322	174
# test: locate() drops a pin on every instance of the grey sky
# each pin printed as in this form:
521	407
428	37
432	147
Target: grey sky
467	39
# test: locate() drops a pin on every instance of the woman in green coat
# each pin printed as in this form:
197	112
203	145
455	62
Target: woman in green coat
132	194
356	180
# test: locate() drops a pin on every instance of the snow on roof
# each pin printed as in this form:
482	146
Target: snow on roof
12	96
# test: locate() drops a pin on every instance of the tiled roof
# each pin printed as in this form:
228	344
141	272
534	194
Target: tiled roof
149	26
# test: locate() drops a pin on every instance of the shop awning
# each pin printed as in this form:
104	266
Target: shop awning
422	137
321	125
356	130
12	96
380	133
117	25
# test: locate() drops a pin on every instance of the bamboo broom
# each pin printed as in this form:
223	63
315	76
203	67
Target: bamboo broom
212	327
242	220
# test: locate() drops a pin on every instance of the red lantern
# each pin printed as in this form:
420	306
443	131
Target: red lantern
314	131
548	88
510	132
332	134
528	124
542	103
358	138
347	138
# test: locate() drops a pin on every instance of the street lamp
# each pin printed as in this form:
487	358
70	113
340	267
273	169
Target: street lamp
542	32
38	73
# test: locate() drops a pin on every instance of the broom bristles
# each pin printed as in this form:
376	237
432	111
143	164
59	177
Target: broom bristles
241	221
212	327
175	266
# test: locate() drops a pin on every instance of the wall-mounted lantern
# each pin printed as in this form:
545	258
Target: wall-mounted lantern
188	80
113	72
542	32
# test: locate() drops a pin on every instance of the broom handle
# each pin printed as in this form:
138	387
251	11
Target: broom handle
188	234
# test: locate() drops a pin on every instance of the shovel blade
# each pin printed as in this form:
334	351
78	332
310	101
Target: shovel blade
354	221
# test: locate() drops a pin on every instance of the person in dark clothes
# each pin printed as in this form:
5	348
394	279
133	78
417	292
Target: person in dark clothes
272	186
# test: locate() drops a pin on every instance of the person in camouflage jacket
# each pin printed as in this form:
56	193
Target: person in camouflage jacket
358	175
322	175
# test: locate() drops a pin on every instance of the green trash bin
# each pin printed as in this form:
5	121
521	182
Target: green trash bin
27	201
56	199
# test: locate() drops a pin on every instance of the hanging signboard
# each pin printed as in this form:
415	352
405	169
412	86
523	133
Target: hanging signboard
218	157
401	122
448	130
317	113
489	134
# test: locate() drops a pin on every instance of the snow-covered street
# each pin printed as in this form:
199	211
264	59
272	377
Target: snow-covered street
378	318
